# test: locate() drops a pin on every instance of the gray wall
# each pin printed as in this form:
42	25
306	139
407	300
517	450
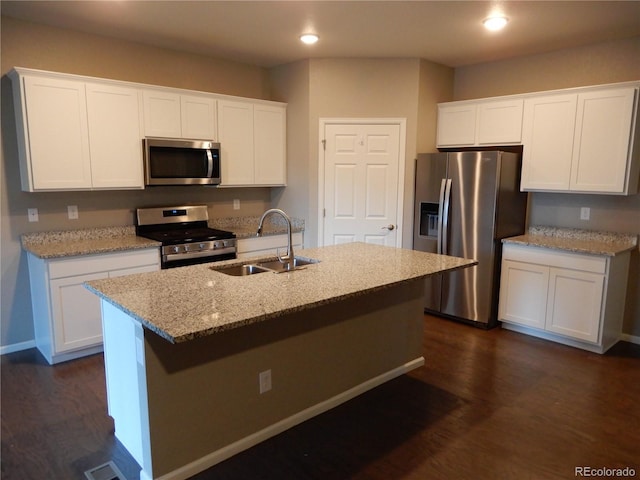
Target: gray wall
597	64
356	88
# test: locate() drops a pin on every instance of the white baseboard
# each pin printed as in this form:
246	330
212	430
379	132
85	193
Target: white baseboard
630	338
17	347
218	456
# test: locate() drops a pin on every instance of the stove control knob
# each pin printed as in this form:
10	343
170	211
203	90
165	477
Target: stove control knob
201	246
186	248
216	245
176	249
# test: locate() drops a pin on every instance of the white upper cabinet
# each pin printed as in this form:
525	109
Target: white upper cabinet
85	133
602	143
500	122
252	140
54	149
74	135
161	114
581	142
456	125
269	128
578	140
172	115
548	142
114	136
479	123
198	116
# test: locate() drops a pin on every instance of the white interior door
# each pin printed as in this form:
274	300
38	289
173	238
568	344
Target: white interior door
362	183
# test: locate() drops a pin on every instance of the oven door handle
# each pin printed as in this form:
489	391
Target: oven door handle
207	253
209	164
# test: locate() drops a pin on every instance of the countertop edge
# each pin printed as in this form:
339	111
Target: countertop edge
588	242
199	322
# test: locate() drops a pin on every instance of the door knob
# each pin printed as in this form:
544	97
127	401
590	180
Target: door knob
389	227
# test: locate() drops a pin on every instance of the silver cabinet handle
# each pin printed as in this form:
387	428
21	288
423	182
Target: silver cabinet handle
391	226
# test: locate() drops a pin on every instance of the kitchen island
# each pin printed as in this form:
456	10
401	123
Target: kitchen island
201	365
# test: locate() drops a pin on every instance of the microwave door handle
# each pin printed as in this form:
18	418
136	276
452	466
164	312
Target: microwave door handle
210	164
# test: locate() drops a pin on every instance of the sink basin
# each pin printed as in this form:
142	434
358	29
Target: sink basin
273	266
279	267
241	270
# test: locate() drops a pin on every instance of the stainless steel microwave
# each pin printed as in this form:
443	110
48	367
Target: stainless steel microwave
174	161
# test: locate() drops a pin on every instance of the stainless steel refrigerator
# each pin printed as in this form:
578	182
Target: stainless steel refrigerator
465	203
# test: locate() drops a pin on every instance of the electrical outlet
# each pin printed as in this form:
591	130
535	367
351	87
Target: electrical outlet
585	213
32	214
72	212
236	204
264	379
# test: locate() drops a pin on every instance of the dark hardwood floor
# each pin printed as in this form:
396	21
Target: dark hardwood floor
487	405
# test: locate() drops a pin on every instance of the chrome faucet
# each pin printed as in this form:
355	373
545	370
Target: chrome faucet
288	258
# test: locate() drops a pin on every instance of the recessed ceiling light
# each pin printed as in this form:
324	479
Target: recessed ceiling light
495	23
309	38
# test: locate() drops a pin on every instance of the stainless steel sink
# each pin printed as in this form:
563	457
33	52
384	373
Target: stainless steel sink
241	270
273	266
280	267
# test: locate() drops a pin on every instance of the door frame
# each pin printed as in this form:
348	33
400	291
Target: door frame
402	123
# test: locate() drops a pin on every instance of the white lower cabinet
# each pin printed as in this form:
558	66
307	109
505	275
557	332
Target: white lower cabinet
267	245
571	298
67	316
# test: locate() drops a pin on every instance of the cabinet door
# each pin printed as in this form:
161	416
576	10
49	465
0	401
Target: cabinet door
523	293
574	303
500	122
456	125
77	318
269	145
115	138
198	117
235	129
601	146
161	114
58	139
548	128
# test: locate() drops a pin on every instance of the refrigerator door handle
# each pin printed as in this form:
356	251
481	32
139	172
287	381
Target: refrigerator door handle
443	186
444	219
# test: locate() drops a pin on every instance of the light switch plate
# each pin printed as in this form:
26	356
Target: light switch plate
32	214
72	212
585	213
236	204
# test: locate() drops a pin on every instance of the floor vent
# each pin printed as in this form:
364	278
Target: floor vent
106	471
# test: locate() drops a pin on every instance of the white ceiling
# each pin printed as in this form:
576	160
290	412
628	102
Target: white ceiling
266	33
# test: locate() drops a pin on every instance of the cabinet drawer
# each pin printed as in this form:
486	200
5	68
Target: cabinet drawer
555	258
68	267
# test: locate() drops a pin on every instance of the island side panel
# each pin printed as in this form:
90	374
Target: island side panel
126	381
204	400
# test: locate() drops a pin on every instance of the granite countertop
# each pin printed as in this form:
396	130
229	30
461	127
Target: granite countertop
69	243
576	240
209	301
89	241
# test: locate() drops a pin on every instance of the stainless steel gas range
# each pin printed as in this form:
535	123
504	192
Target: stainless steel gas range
185	234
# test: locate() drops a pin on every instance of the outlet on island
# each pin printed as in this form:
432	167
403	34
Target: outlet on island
264	380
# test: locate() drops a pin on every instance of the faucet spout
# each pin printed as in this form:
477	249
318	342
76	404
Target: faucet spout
289	257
